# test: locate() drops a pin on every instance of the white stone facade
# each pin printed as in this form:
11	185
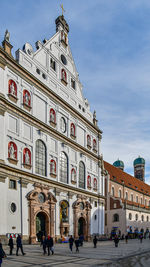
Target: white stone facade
42	108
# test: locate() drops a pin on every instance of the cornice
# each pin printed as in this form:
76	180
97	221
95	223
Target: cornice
29	77
10	107
33	178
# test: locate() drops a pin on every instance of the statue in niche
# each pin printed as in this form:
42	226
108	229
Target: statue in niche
52	116
64	211
72	130
7	36
27	99
63	75
12	89
95	184
53	167
27	158
12	152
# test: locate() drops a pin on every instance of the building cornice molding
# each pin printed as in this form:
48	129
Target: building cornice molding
30	78
33	178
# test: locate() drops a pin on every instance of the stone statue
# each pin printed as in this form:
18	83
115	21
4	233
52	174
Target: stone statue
27	158
12	89
11	152
94	115
26	99
7	36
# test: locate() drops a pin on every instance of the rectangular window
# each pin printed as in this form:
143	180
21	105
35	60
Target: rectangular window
12	184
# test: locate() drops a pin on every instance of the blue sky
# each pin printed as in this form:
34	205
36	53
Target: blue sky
110	43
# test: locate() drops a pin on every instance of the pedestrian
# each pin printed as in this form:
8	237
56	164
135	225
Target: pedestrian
11	244
77	242
43	244
49	244
116	240
19	245
71	241
126	237
2	253
141	238
95	241
81	239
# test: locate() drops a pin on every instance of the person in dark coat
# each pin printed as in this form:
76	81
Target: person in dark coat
95	241
11	244
116	240
43	244
19	245
71	241
77	243
126	237
49	244
2	253
141	238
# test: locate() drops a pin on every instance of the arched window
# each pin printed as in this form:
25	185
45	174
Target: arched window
137	199
64	211
52	115
40	158
145	202
12	151
64	37
53	167
149	203
126	196
26	156
89	181
73	175
72	130
88	140
132	197
147	218
136	217
115	217
94	145
81	175
142	218
26	98
141	201
119	193
63	168
12	88
63	75
95	184
130	216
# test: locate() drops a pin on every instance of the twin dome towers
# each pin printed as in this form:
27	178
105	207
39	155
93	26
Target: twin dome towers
139	167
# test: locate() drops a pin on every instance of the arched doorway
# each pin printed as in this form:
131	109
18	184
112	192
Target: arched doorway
81	226
40	225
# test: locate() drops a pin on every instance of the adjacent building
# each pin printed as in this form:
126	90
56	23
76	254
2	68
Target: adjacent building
51	180
128	199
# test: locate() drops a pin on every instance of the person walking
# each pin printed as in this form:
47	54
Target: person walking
19	245
126	237
2	253
50	245
71	241
141	238
77	242
95	241
43	244
11	244
116	240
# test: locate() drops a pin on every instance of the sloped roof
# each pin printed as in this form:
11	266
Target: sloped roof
121	177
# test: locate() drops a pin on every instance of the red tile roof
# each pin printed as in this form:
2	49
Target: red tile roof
128	180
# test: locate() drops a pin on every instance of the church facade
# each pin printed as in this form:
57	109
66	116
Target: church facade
51	172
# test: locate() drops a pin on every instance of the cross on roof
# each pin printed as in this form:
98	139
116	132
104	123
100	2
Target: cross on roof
62	9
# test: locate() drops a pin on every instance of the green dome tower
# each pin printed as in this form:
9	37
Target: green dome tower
119	164
139	168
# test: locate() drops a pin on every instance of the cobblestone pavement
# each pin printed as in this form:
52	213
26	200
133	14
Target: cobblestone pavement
132	254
